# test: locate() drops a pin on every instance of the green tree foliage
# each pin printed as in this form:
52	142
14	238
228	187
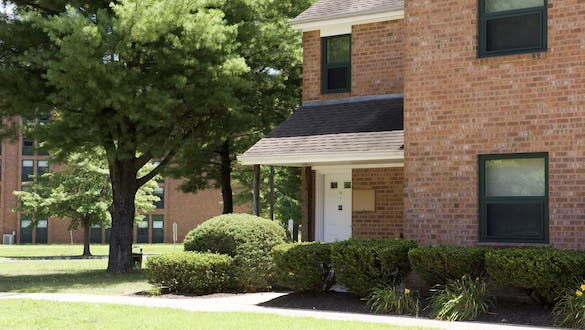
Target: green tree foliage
81	193
139	78
287	191
272	50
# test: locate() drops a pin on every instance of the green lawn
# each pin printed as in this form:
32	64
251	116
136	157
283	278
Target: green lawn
30	314
68	276
54	250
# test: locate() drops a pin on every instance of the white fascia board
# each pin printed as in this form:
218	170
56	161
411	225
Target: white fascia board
342	24
325	158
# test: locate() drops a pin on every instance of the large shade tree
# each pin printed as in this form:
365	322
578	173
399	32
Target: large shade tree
80	192
138	78
273	52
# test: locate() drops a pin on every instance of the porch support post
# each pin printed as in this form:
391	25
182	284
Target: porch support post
256	198
308	233
272	193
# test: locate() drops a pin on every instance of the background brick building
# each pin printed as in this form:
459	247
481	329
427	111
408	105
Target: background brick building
20	158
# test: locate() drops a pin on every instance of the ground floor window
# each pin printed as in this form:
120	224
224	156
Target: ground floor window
25	229
158	228
95	234
142	231
513	198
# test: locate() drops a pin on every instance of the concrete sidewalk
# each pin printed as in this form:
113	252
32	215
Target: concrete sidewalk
249	303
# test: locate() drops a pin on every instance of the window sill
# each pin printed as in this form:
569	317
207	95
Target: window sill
510	244
512	58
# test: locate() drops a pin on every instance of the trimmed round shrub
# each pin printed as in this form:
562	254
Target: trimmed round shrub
364	264
191	272
246	238
545	271
302	267
440	264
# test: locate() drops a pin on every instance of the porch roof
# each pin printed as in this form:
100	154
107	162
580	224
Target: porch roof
367	130
331	9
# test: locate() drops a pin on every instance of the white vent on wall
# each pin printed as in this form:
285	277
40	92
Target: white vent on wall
8	239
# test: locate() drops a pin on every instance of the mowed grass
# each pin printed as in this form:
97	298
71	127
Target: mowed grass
68	276
62	250
31	314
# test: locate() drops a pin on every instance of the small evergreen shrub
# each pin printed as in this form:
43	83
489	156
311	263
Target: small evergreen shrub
463	299
569	311
363	264
439	264
545	271
246	238
302	267
394	300
191	272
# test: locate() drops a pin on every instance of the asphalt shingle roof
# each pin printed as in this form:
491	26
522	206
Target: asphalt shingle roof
329	9
371	125
370	115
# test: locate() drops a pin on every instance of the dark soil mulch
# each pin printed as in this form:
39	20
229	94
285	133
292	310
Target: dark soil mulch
505	313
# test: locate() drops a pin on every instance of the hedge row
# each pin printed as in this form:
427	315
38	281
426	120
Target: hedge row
191	272
361	265
358	264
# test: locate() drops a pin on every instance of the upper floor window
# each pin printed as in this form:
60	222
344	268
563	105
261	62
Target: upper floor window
336	67
512	26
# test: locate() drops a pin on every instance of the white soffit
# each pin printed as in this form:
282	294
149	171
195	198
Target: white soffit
326	159
342	25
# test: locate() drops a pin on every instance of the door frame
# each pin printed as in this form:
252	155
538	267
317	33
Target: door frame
320	199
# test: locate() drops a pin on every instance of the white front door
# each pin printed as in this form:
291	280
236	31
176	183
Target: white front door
337	207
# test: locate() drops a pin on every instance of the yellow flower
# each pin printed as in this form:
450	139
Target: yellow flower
582	287
406	291
579	293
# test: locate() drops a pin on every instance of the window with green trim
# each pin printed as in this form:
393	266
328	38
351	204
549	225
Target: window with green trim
336	67
513	198
512	27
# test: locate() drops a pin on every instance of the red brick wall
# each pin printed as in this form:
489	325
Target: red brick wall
458	106
377	61
388	218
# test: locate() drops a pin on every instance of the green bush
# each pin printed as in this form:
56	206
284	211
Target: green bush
439	264
363	264
191	272
248	239
545	271
394	300
302	267
569	311
463	299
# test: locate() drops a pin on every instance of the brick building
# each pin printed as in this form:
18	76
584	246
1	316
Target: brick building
447	122
20	159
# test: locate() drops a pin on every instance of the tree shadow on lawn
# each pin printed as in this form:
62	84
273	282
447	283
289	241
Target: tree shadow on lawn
51	283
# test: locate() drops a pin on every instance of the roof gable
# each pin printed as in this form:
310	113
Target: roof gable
331	9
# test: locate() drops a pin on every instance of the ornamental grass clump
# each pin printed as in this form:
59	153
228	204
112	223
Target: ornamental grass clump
394	300
465	299
569	311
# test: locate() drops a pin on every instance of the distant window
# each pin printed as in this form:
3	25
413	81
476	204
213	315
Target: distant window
160	193
42	232
512	26
95	234
27	170
514	198
42	167
25	229
336	53
158	228
28	146
142	231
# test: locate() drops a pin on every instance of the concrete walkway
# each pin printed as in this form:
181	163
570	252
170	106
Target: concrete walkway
249	303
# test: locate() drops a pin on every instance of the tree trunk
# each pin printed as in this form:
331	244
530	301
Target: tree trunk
86	228
124	188
226	178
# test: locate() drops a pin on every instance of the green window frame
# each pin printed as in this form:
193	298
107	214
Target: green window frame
335	64
485	17
503	214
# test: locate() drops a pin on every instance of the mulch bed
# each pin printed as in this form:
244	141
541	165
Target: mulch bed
505	313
